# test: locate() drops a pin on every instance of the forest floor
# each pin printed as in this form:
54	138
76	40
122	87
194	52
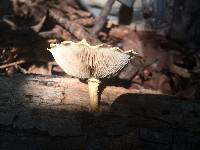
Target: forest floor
29	27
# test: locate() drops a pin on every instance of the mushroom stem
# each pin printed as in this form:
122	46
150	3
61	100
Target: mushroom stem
93	85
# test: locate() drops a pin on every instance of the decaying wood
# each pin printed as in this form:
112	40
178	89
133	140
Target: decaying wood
43	112
76	29
73	11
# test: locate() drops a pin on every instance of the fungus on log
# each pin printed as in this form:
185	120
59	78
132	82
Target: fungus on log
84	61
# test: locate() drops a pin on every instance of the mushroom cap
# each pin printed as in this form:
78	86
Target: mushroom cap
82	60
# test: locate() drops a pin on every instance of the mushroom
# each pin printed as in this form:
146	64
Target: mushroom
84	61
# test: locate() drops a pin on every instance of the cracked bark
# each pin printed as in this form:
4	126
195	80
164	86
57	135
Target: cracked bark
43	112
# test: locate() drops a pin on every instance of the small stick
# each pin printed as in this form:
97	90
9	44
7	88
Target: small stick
24	71
10	23
39	26
49	34
12	64
102	18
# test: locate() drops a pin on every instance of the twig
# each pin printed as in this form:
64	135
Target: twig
12	64
102	18
39	26
57	32
27	29
49	34
24	71
9	22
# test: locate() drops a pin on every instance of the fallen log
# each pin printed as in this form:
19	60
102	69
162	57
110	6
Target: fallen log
45	112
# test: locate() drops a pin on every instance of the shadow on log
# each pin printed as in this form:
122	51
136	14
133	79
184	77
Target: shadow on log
43	112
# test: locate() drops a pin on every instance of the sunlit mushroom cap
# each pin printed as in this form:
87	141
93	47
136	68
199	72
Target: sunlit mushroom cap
82	60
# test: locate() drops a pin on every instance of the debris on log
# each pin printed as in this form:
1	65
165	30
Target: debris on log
76	29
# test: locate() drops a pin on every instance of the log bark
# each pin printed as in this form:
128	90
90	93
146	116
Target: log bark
45	112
